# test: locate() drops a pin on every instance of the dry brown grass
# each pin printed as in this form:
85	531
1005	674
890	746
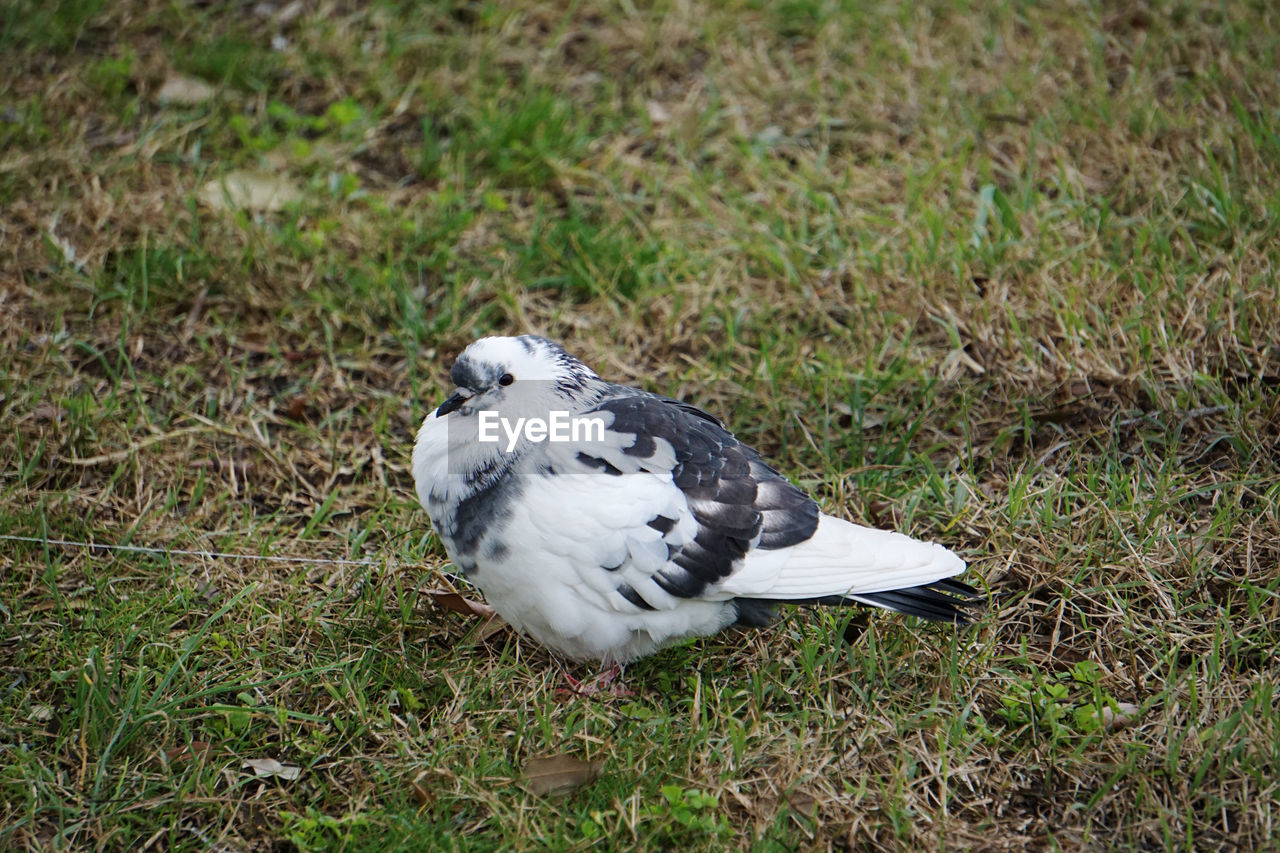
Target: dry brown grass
1040	241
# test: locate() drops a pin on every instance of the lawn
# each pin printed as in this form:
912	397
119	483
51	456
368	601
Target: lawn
1001	275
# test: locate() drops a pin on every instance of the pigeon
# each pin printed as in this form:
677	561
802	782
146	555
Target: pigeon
607	522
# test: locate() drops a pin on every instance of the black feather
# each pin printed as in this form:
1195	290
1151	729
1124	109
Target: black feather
603	464
737	500
627	592
662	524
945	600
754	614
483	510
941	601
680	582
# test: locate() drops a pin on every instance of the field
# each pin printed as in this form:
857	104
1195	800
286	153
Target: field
1001	275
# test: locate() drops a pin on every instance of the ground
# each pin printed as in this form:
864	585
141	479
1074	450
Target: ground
1000	275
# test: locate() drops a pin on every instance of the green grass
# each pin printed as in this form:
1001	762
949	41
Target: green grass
1000	275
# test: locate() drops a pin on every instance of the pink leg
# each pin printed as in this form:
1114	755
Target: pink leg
607	683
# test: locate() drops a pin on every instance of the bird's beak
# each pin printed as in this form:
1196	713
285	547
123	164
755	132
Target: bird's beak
454	402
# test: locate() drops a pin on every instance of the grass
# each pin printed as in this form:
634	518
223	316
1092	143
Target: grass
1001	275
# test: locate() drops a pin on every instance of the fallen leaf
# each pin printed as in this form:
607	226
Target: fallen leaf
243	188
658	114
238	467
40	714
196	750
803	803
491	626
451	600
263	767
771	136
184	91
297	408
1122	715
282	16
420	794
557	775
112	140
69	252
208	591
881	513
289	12
46	411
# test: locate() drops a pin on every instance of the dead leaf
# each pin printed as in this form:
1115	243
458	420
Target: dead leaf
492	626
1122	715
208	591
881	513
420	794
109	140
658	114
45	412
557	775
238	467
803	803
297	408
184	91
289	12
264	767
69	252
244	188
282	16
40	713
196	750
451	600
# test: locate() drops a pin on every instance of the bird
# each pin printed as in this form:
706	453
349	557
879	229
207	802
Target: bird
650	525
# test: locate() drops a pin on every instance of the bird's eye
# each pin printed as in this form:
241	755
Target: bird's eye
506	379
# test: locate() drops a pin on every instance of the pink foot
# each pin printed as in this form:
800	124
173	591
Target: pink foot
606	683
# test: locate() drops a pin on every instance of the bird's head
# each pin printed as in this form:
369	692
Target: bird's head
503	385
526	374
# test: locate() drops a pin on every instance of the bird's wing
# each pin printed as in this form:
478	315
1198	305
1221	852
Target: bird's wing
666	507
676	508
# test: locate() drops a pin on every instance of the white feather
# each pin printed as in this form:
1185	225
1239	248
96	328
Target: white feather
842	558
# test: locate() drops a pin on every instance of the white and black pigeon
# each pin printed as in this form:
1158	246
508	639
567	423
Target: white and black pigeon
658	526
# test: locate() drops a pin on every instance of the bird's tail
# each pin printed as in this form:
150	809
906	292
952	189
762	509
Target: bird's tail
844	563
941	601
